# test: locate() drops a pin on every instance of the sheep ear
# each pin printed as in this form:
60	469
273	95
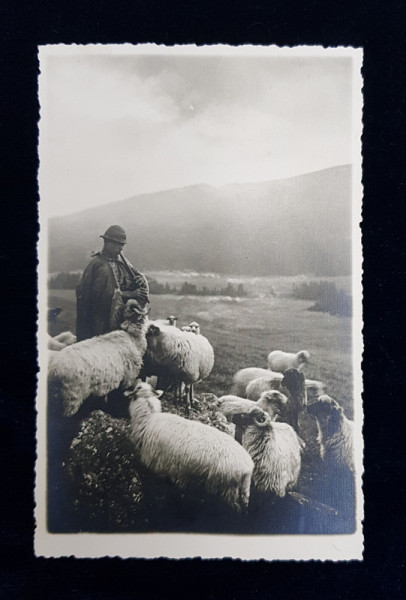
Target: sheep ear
158	393
128	393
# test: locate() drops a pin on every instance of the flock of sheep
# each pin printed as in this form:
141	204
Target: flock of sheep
259	453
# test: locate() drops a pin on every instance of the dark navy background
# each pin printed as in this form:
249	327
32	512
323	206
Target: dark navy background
378	26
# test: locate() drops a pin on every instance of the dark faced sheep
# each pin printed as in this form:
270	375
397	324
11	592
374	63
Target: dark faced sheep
294	383
275	450
188	453
335	432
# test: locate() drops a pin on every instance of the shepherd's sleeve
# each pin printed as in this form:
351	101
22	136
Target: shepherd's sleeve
83	303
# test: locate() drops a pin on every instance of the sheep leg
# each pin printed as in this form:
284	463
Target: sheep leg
244	493
187	401
71	405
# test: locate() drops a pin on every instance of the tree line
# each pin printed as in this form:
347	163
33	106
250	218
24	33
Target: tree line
69	281
327	297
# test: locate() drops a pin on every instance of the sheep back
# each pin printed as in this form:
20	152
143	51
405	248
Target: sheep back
95	366
275	451
257	386
230	405
192	454
243	377
179	354
281	361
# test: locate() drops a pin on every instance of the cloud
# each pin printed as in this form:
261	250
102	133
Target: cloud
121	125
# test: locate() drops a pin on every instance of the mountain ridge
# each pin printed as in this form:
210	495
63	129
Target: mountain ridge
285	226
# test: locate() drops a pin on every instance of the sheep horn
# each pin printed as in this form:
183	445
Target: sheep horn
130	392
260	418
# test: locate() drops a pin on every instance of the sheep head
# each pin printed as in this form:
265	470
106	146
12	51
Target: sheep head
172	319
303	356
194	327
294	381
144	391
273	402
256	416
153	330
134	312
327	411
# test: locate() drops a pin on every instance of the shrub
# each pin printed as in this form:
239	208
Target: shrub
326	296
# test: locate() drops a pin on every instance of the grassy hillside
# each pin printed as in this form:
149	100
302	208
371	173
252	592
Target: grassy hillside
244	331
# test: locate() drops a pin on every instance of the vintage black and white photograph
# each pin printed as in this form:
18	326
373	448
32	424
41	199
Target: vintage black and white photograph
200	302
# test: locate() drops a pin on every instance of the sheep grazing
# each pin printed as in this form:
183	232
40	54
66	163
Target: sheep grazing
189	453
194	327
171	320
335	433
275	450
101	364
178	357
282	361
243	377
271	401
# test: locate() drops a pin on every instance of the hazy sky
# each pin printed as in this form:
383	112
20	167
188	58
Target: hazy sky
117	125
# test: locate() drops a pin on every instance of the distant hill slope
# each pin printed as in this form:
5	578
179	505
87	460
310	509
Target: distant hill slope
289	226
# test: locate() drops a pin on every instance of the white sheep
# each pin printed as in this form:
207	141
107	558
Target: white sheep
243	377
187	452
335	433
293	385
178	357
101	364
280	361
186	328
275	450
194	327
171	320
256	387
271	401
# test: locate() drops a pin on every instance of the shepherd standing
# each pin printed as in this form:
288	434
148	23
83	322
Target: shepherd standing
108	281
